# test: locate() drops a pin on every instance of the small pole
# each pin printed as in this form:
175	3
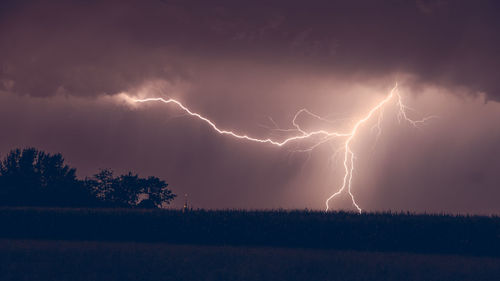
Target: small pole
185	208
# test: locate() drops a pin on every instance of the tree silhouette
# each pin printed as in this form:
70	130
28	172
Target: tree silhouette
129	190
101	185
30	177
157	192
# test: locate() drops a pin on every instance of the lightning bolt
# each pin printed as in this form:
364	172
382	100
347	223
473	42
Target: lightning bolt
318	136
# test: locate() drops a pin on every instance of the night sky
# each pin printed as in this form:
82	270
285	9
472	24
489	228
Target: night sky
249	66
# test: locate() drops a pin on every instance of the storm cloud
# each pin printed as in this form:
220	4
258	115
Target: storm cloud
96	47
249	66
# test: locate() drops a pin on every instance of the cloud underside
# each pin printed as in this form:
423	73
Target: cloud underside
92	48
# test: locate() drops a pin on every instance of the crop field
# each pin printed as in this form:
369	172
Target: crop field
434	234
134	244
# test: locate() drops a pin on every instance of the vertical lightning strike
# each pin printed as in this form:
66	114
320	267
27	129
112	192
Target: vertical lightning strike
318	136
349	155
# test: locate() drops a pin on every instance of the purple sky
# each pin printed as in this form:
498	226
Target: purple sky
63	65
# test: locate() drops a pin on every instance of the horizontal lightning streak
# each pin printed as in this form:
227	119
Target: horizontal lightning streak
304	135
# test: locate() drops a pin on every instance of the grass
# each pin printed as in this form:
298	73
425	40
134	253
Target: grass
78	260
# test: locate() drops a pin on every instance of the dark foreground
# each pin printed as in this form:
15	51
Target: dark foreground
134	244
425	234
107	261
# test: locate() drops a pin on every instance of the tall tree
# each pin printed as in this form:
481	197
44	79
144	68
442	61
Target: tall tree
30	177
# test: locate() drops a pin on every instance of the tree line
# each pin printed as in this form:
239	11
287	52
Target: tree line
30	177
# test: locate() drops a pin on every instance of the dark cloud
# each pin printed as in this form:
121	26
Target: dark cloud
94	47
243	63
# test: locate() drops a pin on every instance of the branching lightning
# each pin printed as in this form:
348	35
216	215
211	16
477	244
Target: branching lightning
317	137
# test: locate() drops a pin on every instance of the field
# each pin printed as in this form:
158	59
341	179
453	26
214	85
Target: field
58	260
132	244
437	234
